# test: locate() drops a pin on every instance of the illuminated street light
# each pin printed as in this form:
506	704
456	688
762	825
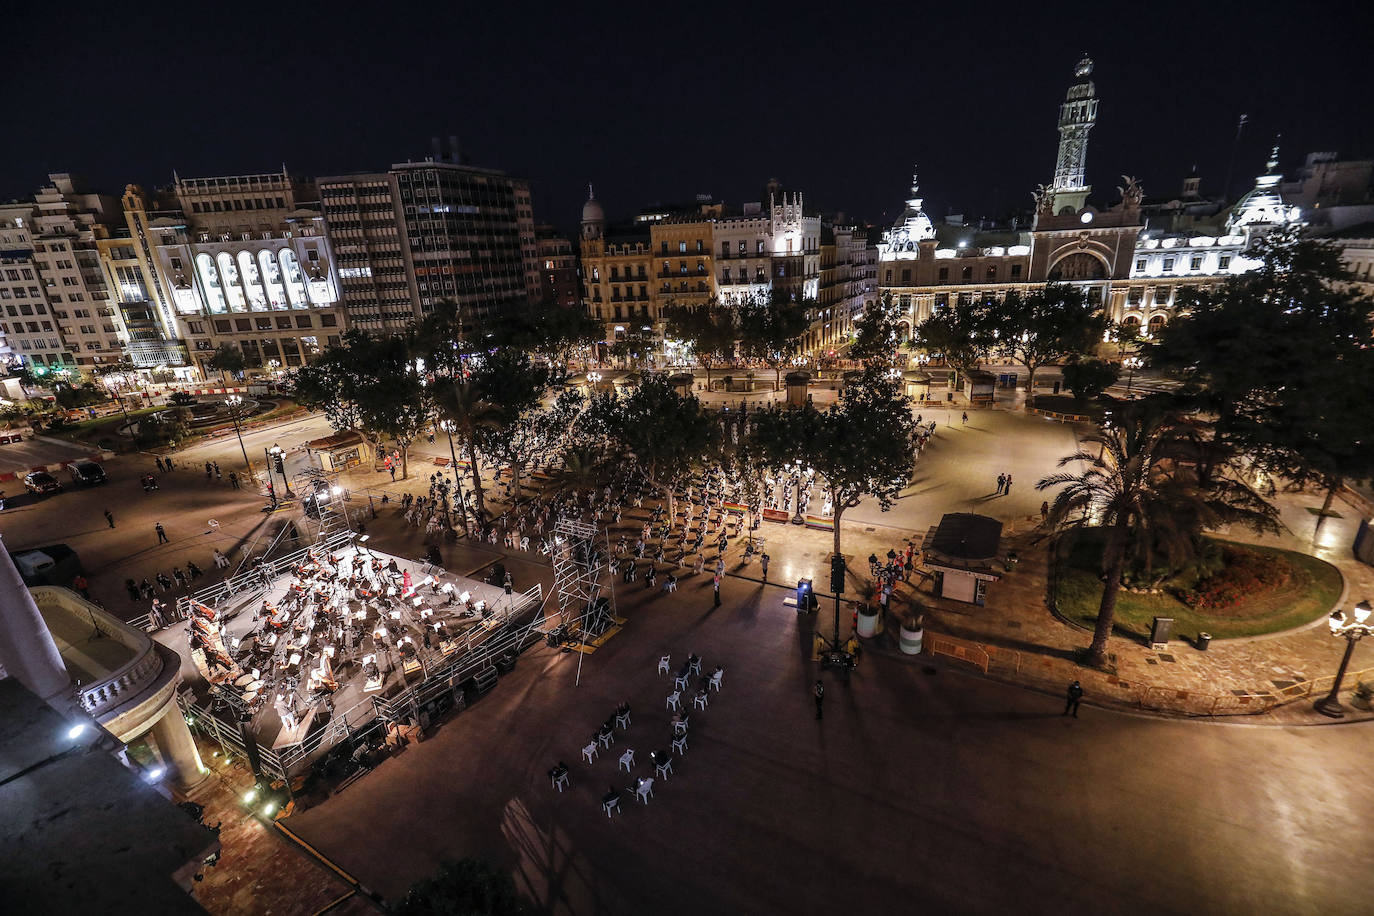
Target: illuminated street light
278	456
1354	628
1132	363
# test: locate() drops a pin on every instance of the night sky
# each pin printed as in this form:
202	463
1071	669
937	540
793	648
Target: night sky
658	102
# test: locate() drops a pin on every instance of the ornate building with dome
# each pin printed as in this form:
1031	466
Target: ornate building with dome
1131	269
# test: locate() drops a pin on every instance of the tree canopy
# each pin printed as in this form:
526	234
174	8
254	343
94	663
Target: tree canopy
710	330
877	332
862	446
770	329
957	333
1088	378
1050	324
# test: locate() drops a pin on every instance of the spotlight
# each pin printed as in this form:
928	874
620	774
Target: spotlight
155	774
76	731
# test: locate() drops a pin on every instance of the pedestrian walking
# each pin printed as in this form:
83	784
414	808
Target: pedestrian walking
715	585
179	576
966	418
208	470
1007	488
163	582
145	588
158	460
161	533
1074	694
819	693
218	475
168	461
234	479
763	562
392	469
131	587
1001	482
109	518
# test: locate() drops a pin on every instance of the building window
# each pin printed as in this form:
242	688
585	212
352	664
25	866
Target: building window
992	271
1168	265
906	275
1015	271
1195	263
888	278
966	275
1140	264
682	247
944	274
1224	262
1135	295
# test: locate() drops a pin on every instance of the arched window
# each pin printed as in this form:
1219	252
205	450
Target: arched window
1156	325
229	276
271	279
248	271
1078	266
209	278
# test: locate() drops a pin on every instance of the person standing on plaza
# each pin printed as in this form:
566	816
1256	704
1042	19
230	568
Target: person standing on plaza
157	459
1072	698
818	692
208	470
1001	483
1006	489
109	518
763	562
234	479
715	585
161	533
966	418
218	475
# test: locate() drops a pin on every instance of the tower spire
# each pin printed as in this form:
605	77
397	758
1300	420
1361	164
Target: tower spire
591	195
1077	115
1273	163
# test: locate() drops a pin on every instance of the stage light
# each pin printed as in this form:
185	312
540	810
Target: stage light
268	808
76	731
155	774
250	795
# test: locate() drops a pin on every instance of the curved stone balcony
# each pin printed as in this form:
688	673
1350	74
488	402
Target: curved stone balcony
124	679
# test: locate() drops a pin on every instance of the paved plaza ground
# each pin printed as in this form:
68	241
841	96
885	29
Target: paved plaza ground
919	790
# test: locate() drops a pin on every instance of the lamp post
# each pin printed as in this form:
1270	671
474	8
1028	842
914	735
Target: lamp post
797	516
278	457
1353	628
234	402
593	379
449	427
1131	363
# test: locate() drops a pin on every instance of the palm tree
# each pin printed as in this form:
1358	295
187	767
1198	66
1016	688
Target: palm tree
1142	490
460	403
580	470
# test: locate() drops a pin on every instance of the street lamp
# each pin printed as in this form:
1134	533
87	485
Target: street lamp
234	402
594	379
449	428
278	458
1132	363
797	516
1353	630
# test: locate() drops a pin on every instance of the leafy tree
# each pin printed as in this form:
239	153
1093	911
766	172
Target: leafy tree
878	330
227	358
709	328
1088	378
1125	336
1148	501
1279	356
864	445
561	332
667	434
770	330
370	384
956	332
469	887
1051	324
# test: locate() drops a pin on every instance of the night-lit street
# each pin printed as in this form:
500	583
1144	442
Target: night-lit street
484	463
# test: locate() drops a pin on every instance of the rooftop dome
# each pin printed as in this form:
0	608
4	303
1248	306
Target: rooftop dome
591	210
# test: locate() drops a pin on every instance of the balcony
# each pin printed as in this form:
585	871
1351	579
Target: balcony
675	274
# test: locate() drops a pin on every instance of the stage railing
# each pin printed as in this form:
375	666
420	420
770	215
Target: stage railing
520	629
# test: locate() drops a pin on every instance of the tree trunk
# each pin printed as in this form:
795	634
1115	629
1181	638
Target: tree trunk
1331	489
477	482
1106	610
1030	386
777	376
405	461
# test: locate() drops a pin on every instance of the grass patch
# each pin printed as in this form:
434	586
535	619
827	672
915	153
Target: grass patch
1313	589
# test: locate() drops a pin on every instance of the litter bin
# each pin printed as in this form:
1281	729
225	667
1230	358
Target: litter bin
1203	641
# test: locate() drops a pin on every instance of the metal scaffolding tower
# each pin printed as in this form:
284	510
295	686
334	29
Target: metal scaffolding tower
577	569
321	503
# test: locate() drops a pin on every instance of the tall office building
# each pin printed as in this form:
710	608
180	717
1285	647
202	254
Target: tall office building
460	233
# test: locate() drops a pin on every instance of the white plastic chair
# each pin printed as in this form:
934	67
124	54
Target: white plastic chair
663	769
680	682
622	720
606	739
663	664
680	726
716	679
607	806
696	666
560	781
627	759
673	701
699	701
680	744
589	752
646	789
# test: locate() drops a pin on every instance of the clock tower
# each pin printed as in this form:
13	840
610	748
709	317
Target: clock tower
1077	116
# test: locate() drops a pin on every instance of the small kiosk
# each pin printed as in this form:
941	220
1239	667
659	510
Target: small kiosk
340	451
961	552
980	387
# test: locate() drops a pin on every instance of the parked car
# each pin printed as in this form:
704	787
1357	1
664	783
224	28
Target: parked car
41	482
86	472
